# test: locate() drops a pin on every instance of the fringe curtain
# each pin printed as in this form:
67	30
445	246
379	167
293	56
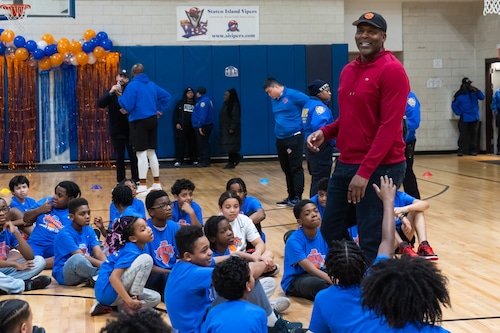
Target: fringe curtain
21	106
94	142
3	124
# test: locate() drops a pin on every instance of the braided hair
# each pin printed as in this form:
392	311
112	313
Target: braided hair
345	263
122	229
406	290
238	181
13	312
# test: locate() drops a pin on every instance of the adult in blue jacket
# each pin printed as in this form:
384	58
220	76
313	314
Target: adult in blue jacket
144	102
203	123
465	105
287	105
495	107
412	114
315	115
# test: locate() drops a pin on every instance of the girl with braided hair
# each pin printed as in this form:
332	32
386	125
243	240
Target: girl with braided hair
123	275
16	317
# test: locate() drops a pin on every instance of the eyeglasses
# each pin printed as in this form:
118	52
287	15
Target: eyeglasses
163	205
5	209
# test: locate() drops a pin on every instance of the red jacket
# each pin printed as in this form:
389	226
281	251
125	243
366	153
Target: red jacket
372	99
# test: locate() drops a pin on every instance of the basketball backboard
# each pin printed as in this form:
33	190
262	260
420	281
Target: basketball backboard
45	8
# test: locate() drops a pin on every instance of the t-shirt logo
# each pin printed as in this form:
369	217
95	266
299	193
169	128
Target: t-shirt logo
4	251
164	252
316	258
52	223
237	242
83	248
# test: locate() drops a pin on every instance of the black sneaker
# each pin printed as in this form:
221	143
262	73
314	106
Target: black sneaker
90	282
100	309
292	203
284	326
3	292
229	165
40	282
283	203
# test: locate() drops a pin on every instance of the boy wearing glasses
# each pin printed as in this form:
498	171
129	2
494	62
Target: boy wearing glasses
162	249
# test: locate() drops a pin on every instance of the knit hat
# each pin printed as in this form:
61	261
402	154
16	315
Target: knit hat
466	80
317	86
374	19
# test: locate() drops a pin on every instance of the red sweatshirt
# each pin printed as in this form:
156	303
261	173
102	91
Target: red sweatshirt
372	99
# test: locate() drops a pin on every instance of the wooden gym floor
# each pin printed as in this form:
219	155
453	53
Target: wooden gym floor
463	228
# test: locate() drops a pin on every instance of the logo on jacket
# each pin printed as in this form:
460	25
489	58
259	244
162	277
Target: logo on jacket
316	258
411	102
320	109
164	252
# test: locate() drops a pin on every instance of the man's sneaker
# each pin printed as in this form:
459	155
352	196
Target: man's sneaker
195	163
425	251
272	272
283	203
280	304
40	282
142	189
407	249
292	202
100	309
177	164
284	326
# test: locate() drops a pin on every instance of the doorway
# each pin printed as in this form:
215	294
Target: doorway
492	83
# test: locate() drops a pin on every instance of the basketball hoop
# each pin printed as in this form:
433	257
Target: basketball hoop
16	13
491	7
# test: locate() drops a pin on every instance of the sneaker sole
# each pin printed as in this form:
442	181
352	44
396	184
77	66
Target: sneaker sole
429	257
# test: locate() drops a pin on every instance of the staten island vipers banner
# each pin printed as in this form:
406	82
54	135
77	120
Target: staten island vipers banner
212	23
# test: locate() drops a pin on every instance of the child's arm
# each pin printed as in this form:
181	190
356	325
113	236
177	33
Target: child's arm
159	270
16	217
97	258
115	280
386	193
31	215
257	268
99	223
186	208
23	247
416	206
313	270
260	246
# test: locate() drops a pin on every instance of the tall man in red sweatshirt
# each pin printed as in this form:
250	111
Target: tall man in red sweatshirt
372	96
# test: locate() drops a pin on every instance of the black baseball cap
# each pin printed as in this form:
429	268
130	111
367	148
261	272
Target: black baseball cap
123	72
374	19
466	80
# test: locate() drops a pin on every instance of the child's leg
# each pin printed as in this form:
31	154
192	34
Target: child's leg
9	284
38	266
77	269
418	223
134	279
306	286
269	285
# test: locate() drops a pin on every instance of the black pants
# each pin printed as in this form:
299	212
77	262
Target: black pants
204	144
234	158
306	286
497	120
185	144
319	165
120	143
467	139
410	181
290	157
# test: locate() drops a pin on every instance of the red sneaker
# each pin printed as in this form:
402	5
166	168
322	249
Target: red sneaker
407	249
425	251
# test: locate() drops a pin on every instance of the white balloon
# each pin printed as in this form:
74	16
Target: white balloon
92	59
41	44
73	61
10	44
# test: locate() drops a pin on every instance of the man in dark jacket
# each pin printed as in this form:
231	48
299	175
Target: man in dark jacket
118	128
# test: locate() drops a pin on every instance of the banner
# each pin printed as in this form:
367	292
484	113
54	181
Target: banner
217	23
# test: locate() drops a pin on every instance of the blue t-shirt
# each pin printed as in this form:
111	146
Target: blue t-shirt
136	209
188	295
400	200
321	209
183	218
163	249
8	241
47	226
215	253
29	203
250	205
235	316
69	240
104	291
299	247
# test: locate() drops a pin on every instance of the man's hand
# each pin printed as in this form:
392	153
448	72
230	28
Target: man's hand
314	140
356	189
201	131
178	126
123	111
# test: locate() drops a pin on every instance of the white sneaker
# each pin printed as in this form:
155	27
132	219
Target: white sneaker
155	187
177	164
280	304
141	189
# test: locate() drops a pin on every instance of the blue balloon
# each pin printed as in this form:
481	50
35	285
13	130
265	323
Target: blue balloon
19	41
38	54
107	44
2	48
1	30
101	35
94	42
87	47
31	45
50	49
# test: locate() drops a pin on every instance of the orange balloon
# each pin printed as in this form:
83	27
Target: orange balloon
89	34
44	63
75	47
82	58
48	38
7	36
99	52
22	54
56	59
63	45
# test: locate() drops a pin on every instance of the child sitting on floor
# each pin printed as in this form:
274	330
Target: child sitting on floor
16	317
184	210
115	211
77	252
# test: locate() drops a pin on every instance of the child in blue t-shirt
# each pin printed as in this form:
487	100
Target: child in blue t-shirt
17	267
123	275
19	187
232	280
188	293
77	252
117	209
16	316
184	210
162	249
305	251
50	218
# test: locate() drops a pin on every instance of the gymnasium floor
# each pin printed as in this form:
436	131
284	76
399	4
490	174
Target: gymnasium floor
462	226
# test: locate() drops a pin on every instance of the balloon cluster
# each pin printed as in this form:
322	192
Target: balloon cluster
48	53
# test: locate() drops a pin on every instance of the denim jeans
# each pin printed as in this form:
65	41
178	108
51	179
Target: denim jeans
77	269
12	280
367	214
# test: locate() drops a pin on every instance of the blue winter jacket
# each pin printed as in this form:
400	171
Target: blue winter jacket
287	111
143	98
315	115
412	116
467	106
202	113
